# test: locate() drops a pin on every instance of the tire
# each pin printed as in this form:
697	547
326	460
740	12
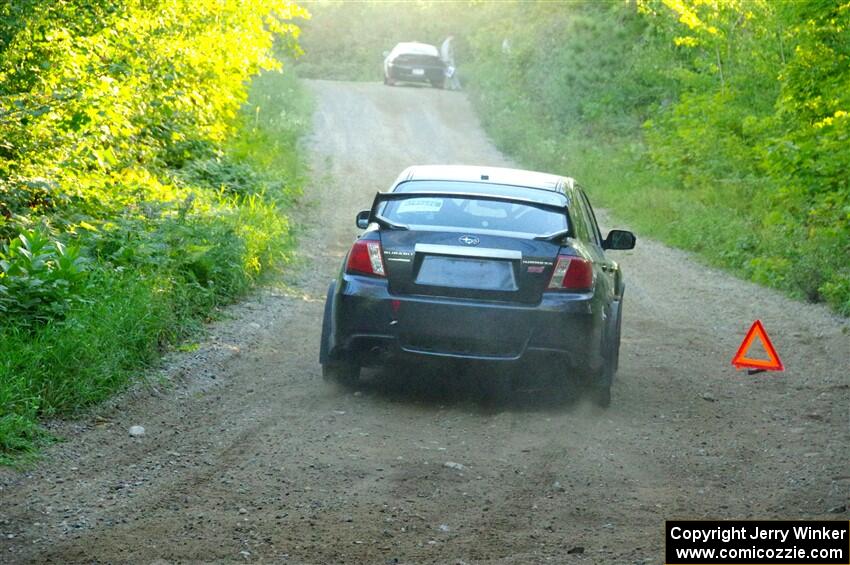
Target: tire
441	84
600	395
502	387
341	372
598	383
496	386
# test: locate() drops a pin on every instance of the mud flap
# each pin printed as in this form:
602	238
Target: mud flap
603	376
615	349
327	343
612	345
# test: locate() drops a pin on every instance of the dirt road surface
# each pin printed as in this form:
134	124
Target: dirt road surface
249	457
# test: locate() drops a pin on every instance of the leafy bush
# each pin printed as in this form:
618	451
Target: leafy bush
232	177
65	366
40	278
138	190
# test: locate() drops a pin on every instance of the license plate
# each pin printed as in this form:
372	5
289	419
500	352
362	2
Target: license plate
418	72
466	273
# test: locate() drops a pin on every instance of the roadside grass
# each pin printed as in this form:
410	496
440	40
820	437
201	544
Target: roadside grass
706	222
153	281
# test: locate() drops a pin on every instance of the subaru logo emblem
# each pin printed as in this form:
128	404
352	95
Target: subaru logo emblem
469	240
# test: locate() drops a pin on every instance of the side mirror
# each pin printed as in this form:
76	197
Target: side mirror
386	54
619	239
363	219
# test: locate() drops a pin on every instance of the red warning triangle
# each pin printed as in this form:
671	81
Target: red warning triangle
741	361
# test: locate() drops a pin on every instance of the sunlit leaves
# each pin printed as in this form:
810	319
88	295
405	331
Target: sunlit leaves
774	123
103	103
89	87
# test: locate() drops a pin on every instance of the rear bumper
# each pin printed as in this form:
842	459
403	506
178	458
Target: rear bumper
405	73
373	326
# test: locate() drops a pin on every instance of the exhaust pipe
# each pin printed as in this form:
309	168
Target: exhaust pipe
380	351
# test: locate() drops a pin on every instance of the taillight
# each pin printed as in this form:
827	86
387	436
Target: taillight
571	273
365	258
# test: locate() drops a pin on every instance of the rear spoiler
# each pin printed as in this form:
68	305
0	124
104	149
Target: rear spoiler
382	197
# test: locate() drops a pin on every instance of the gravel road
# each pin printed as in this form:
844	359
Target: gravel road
248	456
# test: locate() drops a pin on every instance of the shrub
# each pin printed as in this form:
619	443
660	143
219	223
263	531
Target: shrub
40	278
135	194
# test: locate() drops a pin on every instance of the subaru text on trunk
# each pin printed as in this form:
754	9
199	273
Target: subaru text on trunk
479	264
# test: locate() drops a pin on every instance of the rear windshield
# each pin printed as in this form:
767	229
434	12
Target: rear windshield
451	213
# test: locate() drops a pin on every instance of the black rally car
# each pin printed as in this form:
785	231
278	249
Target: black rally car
414	62
479	264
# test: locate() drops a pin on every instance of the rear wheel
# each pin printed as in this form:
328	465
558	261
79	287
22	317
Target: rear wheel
600	395
342	372
497	385
439	83
598	384
502	387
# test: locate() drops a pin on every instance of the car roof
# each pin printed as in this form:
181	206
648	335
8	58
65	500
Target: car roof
490	175
416	48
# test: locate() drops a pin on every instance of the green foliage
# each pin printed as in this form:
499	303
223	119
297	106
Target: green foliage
86	87
139	190
66	366
19	435
232	177
766	117
39	277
